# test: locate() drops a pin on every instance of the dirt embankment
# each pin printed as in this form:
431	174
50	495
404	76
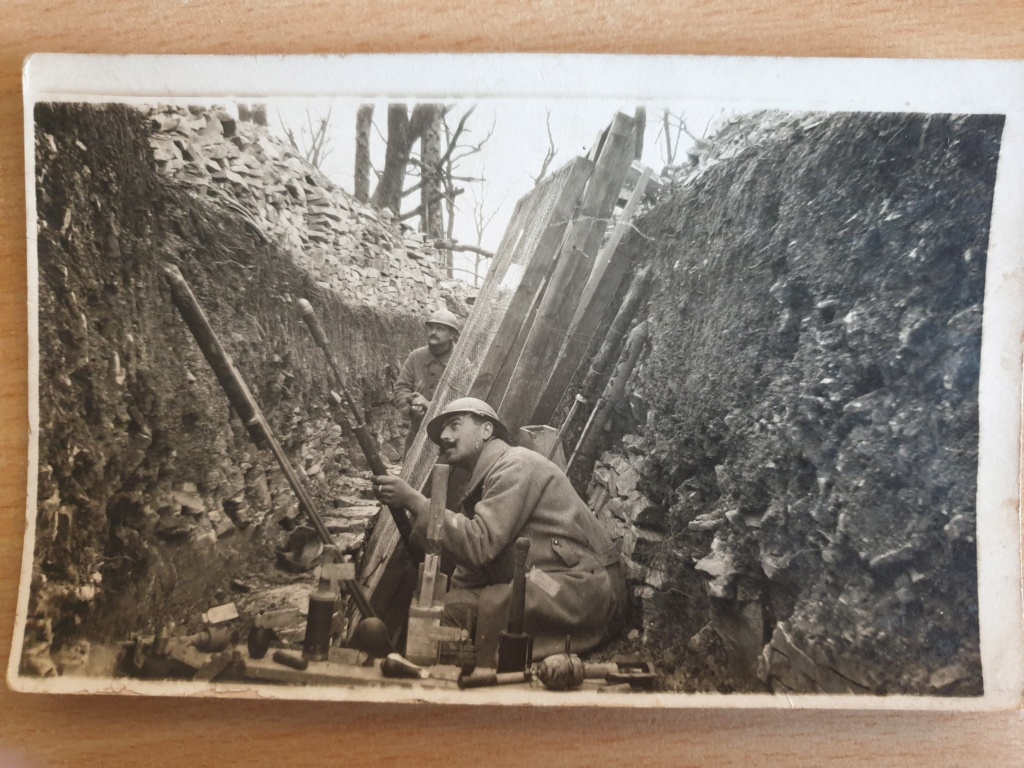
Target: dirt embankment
800	490
151	496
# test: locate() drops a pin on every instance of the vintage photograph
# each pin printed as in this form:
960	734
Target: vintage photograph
552	401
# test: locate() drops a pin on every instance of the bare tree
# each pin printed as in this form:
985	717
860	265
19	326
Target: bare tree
440	176
447	165
673	127
481	220
549	156
435	168
314	137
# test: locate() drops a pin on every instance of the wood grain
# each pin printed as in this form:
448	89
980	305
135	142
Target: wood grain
69	730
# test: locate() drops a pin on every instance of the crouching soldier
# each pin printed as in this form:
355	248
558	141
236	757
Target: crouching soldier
423	368
575	582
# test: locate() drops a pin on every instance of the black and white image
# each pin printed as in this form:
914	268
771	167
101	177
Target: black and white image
513	398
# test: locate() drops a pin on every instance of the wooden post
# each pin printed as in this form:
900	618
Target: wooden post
613	393
613	340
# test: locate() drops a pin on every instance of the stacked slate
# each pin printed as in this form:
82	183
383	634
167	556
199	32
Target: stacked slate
637	523
349	247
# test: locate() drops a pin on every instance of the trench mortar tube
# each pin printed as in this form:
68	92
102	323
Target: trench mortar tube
245	406
367	444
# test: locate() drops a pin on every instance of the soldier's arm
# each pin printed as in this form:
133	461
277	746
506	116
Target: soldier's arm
510	495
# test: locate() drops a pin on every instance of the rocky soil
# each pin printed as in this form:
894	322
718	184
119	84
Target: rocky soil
796	486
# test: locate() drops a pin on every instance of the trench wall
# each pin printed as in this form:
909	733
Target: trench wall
149	491
797	488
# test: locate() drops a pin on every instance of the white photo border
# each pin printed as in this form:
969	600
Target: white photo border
857	85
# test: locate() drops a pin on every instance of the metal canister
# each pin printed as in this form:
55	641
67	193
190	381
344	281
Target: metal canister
319	621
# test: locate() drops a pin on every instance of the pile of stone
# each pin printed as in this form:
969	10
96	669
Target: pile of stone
361	253
636	522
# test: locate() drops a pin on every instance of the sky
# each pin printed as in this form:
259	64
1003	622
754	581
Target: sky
508	161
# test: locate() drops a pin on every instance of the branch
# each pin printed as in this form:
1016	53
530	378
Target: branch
288	132
419	184
455	245
455	138
418	211
552	151
381	136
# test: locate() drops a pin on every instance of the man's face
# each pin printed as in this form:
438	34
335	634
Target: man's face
463	438
440	336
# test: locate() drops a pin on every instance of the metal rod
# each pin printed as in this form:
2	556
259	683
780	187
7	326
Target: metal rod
576	403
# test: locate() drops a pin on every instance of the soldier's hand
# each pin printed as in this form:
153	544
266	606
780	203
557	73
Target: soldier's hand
393	491
419	404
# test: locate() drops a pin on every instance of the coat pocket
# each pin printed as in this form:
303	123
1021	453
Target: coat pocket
565	552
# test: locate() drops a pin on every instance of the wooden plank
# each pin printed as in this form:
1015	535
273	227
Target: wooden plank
537	270
570	275
607	253
609	268
328	673
573	246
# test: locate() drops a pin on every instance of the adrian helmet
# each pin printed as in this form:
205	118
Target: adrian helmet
444	317
466	405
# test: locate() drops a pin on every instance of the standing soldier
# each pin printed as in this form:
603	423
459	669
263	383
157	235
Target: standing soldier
423	369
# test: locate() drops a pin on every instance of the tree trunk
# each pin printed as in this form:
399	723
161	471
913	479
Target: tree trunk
403	132
431	223
253	113
388	193
640	116
364	124
666	127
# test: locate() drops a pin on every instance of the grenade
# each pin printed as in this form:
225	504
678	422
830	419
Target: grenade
258	641
213	639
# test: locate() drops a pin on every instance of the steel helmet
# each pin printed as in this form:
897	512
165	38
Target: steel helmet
444	317
466	405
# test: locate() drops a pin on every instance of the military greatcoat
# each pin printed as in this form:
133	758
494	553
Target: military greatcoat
420	374
575	584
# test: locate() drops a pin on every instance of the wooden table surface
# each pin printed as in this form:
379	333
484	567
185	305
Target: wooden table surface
68	730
